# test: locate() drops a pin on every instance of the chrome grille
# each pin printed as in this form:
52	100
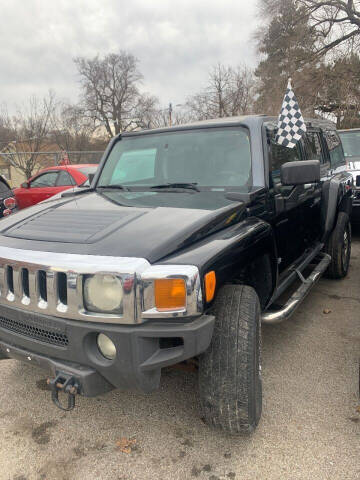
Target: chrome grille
52	283
33	288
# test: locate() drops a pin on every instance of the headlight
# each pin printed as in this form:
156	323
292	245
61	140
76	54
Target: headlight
103	293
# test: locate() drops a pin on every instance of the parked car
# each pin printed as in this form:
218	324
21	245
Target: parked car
351	143
185	242
8	202
50	181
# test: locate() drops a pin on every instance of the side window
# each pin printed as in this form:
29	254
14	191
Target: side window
337	158
313	148
45	180
64	179
134	165
280	155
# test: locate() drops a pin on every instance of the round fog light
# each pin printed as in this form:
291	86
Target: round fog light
106	346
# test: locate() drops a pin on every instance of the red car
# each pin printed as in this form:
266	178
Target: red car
50	181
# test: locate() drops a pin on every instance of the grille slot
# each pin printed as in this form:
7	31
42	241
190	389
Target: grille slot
62	287
25	281
10	279
42	285
41	334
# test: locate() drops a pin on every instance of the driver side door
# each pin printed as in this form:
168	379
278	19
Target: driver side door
287	216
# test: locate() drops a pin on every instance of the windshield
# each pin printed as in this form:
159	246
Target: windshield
351	143
211	157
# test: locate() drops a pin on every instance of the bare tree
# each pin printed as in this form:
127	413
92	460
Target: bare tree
294	44
336	22
145	112
6	134
229	93
111	96
341	93
29	131
73	131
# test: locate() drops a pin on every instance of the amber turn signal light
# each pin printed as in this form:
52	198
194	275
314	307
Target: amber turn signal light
170	294
210	285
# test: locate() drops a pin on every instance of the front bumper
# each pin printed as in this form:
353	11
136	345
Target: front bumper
62	345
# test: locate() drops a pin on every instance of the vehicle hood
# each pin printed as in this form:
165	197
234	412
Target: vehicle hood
94	224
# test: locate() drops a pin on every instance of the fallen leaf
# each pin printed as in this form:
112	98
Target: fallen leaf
125	444
358	409
326	311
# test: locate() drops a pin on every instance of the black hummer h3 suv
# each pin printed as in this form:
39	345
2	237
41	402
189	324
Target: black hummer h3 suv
180	248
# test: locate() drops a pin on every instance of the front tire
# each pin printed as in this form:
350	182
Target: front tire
338	247
230	370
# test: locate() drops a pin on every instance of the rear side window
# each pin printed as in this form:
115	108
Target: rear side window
280	155
313	148
64	179
333	142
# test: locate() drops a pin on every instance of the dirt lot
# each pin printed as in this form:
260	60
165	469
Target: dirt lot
310	427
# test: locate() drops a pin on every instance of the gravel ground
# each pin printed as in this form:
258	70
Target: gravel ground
310	427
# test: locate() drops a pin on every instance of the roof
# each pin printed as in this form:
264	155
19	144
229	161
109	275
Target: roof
245	120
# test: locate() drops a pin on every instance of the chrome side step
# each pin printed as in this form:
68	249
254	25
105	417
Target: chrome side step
278	316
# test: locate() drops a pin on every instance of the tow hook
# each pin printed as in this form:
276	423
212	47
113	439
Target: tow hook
66	384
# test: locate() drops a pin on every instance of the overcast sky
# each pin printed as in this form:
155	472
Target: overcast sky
176	42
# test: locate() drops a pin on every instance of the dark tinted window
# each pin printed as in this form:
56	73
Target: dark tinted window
335	148
45	180
280	155
313	147
64	179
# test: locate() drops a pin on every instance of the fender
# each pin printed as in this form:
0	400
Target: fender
231	250
336	197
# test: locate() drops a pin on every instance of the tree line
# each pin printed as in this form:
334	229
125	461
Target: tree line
315	42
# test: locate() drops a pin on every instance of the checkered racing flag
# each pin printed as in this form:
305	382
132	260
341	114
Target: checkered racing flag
291	125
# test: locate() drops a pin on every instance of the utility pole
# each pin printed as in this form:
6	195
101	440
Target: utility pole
170	112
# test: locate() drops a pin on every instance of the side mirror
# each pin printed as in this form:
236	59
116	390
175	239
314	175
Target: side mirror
25	185
91	177
300	172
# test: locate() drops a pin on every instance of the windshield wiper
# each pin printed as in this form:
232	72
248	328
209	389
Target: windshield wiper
191	186
114	187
